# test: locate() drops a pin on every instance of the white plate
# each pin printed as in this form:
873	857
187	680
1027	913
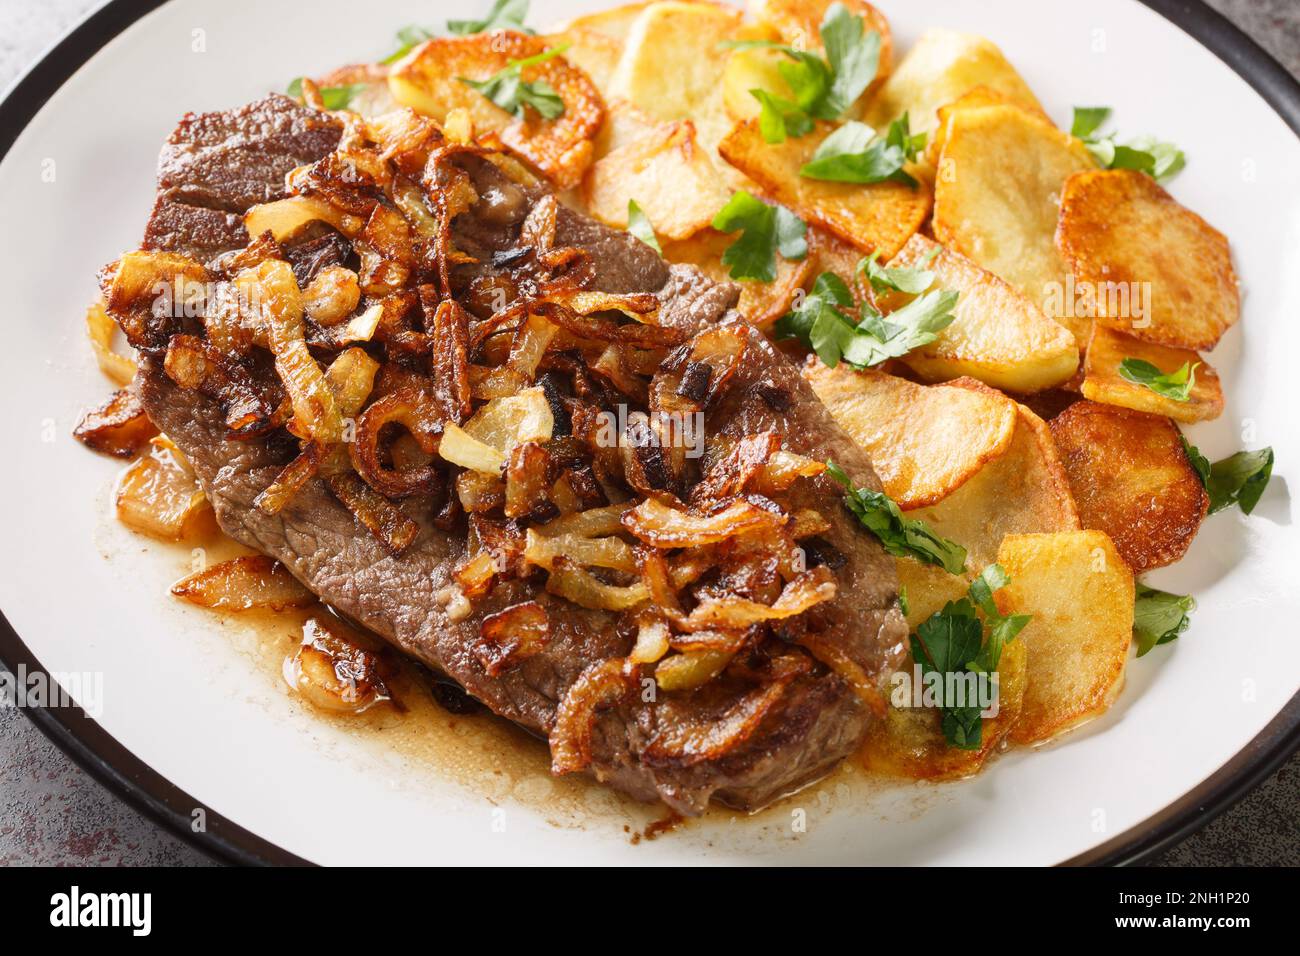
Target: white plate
181	696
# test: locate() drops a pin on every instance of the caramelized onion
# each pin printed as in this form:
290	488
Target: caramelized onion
377	514
335	671
584	589
600	686
243	584
119	427
613	553
512	636
410	408
666	527
811	588
99	328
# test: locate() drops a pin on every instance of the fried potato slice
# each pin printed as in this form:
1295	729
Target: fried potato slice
1080	593
798	22
671	68
593	52
1130	478
996	198
829	253
757	68
879	217
761	303
974	98
925	441
910	742
938	69
1120	230
1024	490
616	22
426	80
1102	381
999	337
624	124
669	175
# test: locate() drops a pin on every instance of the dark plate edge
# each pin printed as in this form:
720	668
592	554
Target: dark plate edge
111	764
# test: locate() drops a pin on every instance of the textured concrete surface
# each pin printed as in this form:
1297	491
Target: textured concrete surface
51	813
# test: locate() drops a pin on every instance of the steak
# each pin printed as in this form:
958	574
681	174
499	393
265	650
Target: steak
212	169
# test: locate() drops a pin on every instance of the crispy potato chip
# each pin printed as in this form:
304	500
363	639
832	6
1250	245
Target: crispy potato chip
667	173
972	99
1024	490
1130	478
925	441
998	337
624	124
1080	593
561	149
1120	232
879	217
798	22
996	198
761	303
939	69
671	67
910	742
1102	381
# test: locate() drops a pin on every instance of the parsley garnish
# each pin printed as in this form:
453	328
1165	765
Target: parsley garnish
504	15
854	153
901	536
1239	479
764	230
1159	617
952	641
1200	464
819	88
408	38
1160	161
638	223
821	324
1176	385
507	89
912	281
332	97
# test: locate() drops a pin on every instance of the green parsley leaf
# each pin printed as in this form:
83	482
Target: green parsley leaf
1200	464
504	15
855	154
993	578
1239	479
779	118
912	281
916	324
903	604
1176	385
853	58
638	223
507	89
1159	617
1160	161
821	305
332	97
408	38
901	536
764	231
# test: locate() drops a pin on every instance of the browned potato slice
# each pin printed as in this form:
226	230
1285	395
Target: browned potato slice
593	52
799	24
925	441
624	124
1024	490
671	68
615	22
243	584
1080	593
1103	383
911	744
996	199
880	217
830	253
561	149
1131	479
999	336
972	99
757	68
761	303
939	68
1120	232
668	174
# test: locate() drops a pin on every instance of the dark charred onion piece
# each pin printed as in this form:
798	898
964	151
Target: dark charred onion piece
250	411
290	481
720	350
243	584
478	491
847	669
450	361
730	474
502	540
811	588
377	514
605	329
684	739
412	409
390	234
512	636
529	475
119	427
600	686
335	671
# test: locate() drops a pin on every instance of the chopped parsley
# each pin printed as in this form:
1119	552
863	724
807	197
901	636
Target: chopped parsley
504	15
638	223
1159	617
854	153
764	231
1176	385
507	88
1239	479
900	536
1160	161
912	281
408	38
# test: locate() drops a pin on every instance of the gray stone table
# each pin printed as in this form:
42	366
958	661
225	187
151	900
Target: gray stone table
52	813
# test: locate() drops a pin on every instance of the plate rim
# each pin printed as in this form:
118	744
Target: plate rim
150	793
